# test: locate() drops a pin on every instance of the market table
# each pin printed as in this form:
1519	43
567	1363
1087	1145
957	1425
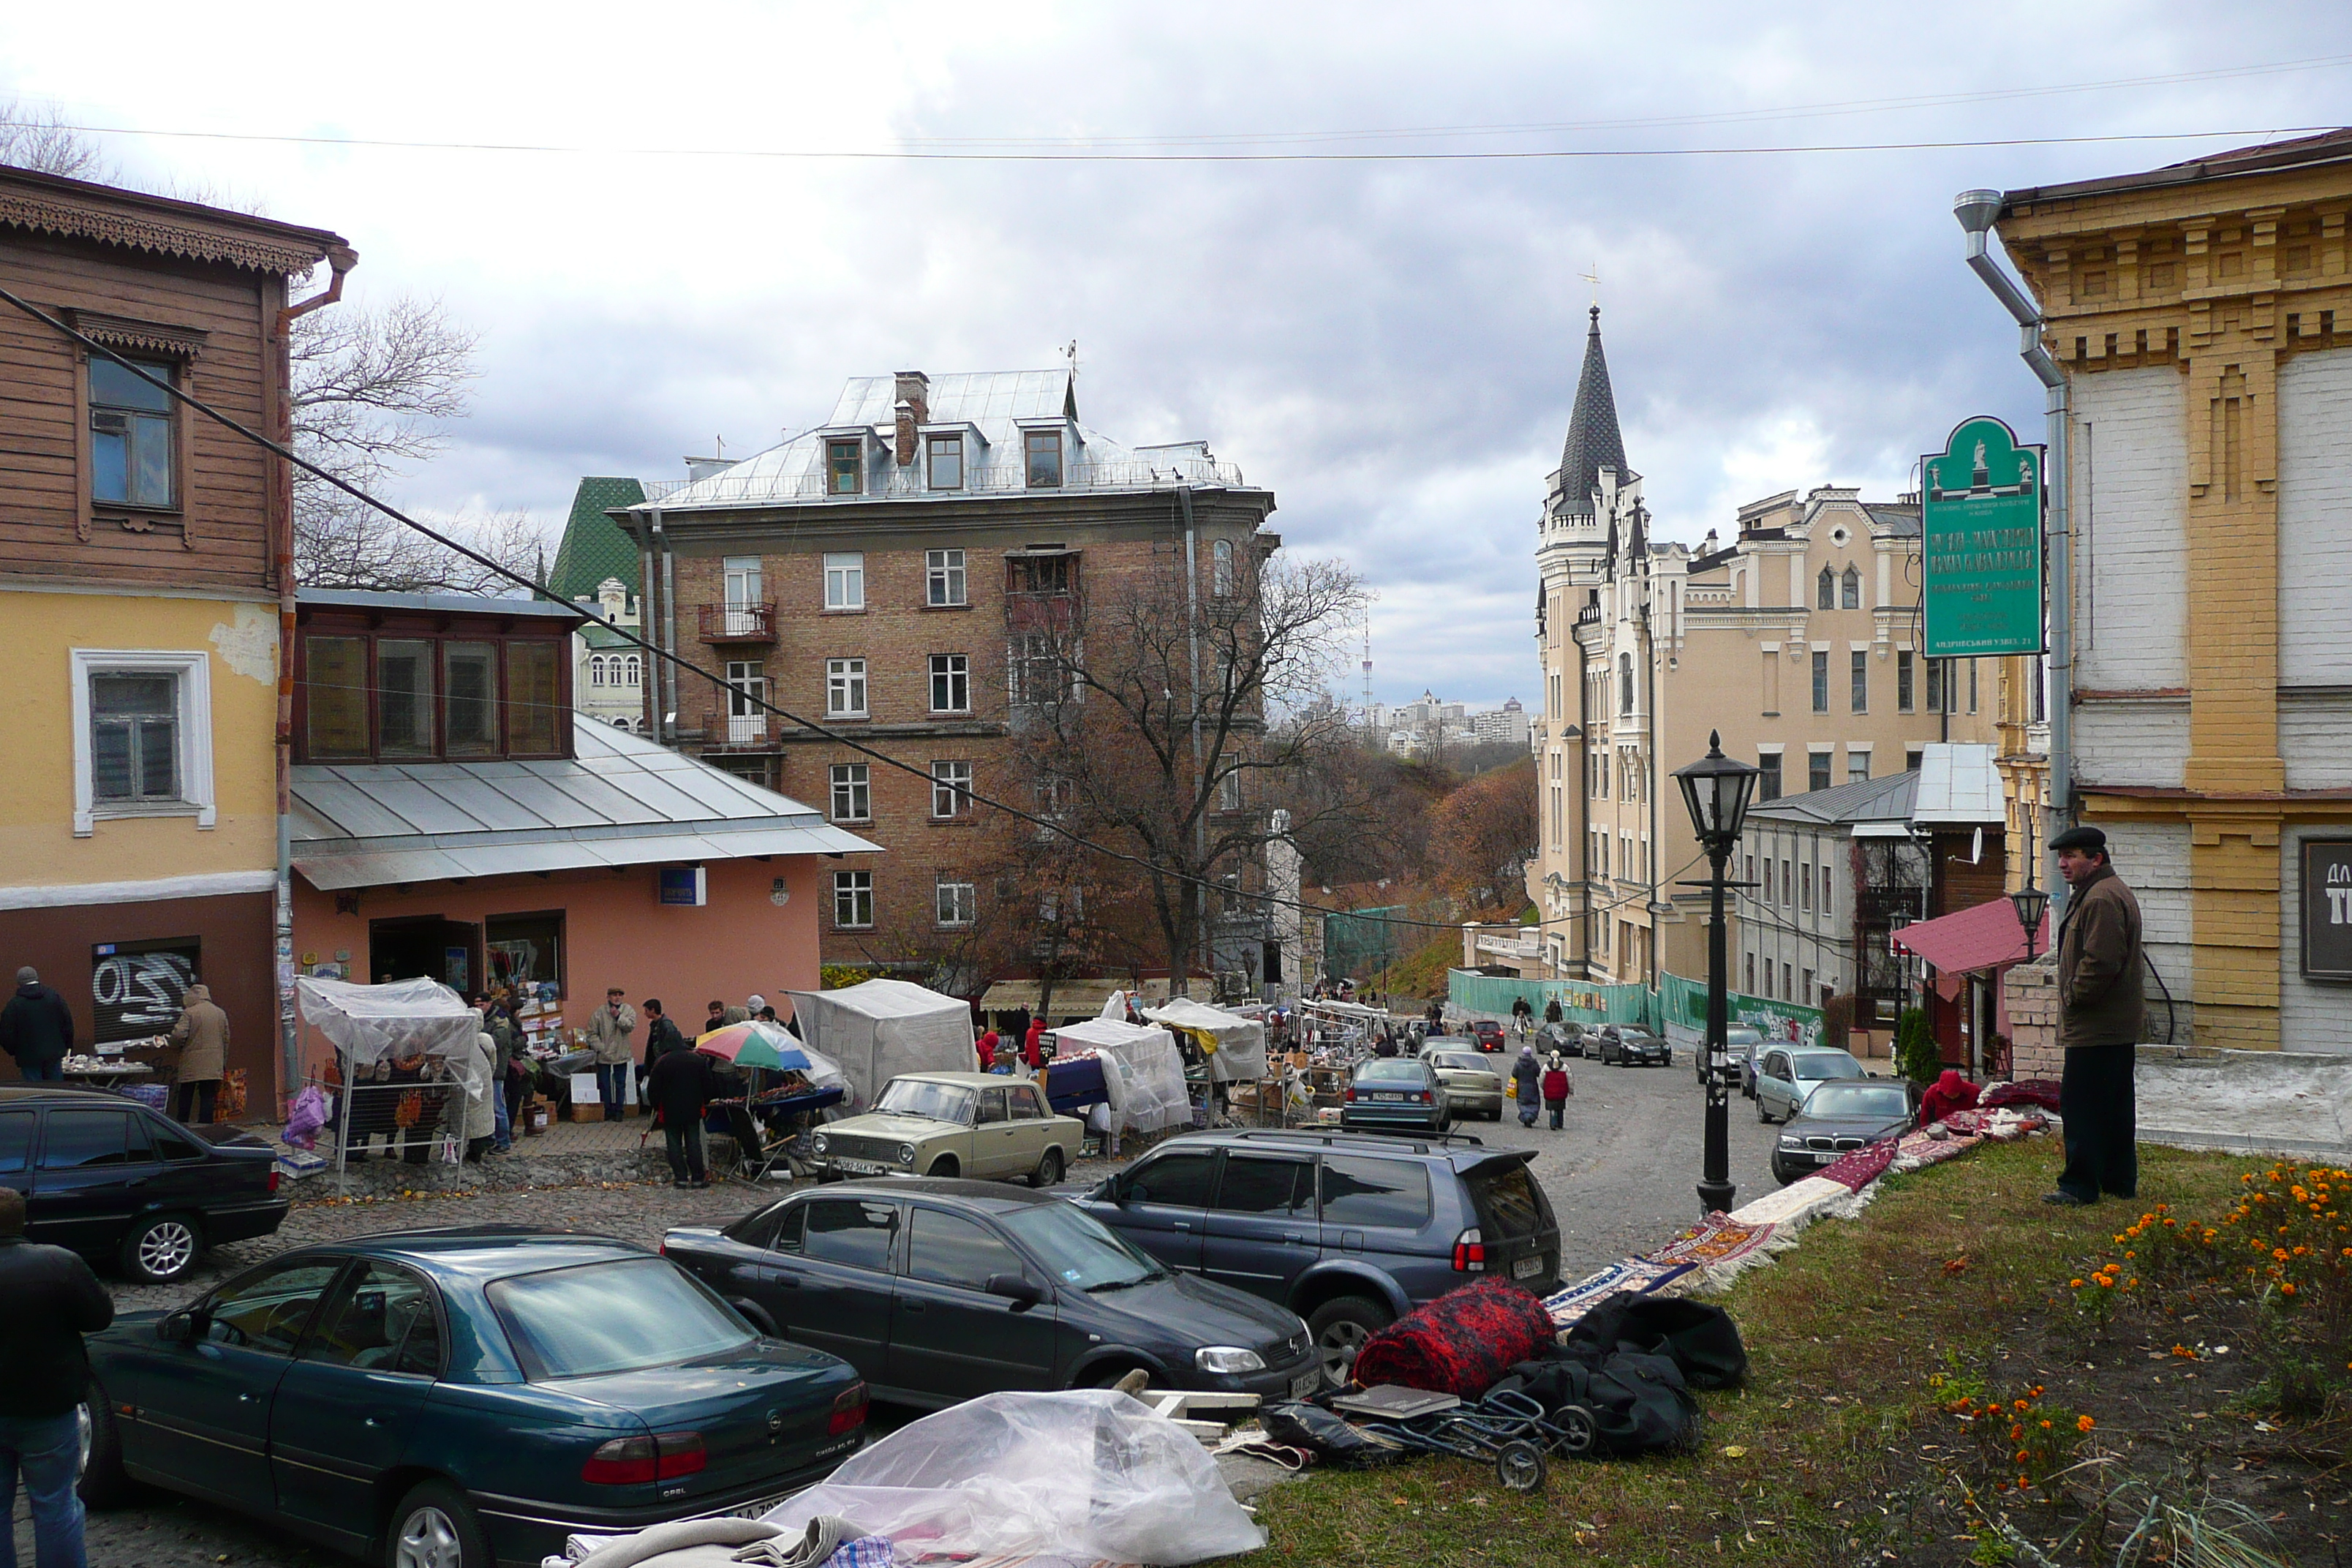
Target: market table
104	1072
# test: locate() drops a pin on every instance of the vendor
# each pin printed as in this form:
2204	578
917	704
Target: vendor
201	1035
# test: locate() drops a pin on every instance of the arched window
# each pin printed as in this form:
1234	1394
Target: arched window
1850	596
620	723
1221	574
596	669
1625	683
1825	591
633	669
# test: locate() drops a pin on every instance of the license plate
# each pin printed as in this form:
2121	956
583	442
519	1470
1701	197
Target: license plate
1527	1268
862	1167
1388	1098
1304	1383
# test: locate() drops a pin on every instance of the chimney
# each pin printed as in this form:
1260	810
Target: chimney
913	408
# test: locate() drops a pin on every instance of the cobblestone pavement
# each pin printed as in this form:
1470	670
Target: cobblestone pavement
1619	1175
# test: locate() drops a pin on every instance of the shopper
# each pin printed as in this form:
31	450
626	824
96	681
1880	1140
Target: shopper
501	1031
2100	1011
679	1087
985	1048
609	1028
37	1028
1557	1088
718	1019
477	1115
1031	1043
48	1301
201	1034
1526	1085
662	1034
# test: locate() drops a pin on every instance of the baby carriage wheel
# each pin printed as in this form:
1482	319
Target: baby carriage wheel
1521	1467
1576	1429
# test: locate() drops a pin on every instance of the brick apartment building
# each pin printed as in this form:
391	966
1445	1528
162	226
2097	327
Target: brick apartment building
901	572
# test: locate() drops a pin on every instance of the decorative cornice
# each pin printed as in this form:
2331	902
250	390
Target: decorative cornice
46	214
152	337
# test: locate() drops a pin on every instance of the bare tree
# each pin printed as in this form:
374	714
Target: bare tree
39	139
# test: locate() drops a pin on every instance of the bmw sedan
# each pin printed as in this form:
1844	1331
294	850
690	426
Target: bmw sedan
461	1398
1838	1118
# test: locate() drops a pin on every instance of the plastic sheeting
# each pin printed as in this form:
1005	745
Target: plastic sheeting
1143	1072
884	1028
401	1019
1240	1055
1089	1475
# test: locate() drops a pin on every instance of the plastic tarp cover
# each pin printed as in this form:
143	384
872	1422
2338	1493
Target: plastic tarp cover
401	1018
876	1030
1089	1475
1143	1072
1240	1055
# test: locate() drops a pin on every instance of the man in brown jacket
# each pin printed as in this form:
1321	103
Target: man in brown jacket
2100	1009
203	1036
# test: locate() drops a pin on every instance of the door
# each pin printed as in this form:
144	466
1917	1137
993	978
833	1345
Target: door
996	1139
837	1289
1775	1084
1032	1125
747	690
203	1411
346	1408
1164	1203
1262	1229
743	594
949	1339
1376	1209
95	1165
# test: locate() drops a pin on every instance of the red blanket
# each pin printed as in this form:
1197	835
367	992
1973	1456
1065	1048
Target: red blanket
1462	1344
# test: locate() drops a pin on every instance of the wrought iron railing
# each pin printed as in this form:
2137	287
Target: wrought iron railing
911	481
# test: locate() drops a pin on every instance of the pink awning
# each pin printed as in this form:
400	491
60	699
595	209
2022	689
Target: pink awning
1986	936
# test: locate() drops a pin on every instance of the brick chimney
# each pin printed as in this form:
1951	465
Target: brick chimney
913	409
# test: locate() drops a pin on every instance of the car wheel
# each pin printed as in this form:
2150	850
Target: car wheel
162	1247
945	1165
1049	1169
1763	1113
755	1315
1339	1329
103	1483
435	1527
1781	1174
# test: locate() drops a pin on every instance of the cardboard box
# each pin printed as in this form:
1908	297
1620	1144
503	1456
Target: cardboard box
591	1112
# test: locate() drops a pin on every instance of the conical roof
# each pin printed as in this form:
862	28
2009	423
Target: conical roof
1593	442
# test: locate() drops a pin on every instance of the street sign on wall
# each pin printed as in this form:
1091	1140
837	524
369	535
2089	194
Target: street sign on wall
1981	543
2327	909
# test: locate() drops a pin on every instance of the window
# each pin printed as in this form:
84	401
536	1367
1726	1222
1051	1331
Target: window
1767	784
950	683
1805	887
1850	590
1043	450
740	582
1256	1183
1625	683
943	578
1221	571
853	799
131	435
1026	1106
1912	758
1787	884
852	900
959	902
135	737
1935	686
596	670
336	670
845	468
267	1312
1904	701
633	670
1180	1179
1829	904
1817	771
1857	764
1768	880
404	679
85	1139
1807	993
1034	671
947	462
950	789
16	1144
1820	682
1229	792
991	1107
1374	1192
844	582
1972	686
844	1230
845	688
2040	710
948	1249
1041	574
1055	794
535	711
383	1321
525	949
1825	591
1860	660
1752	974
141	735
1788	985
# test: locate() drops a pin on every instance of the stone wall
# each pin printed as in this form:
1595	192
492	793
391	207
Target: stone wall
2031	993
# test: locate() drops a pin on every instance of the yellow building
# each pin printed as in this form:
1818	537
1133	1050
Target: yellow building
2198	314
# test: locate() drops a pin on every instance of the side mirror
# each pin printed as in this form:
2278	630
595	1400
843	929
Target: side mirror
178	1328
1018	1288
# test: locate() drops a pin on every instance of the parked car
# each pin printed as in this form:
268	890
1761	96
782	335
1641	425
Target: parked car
941	1290
1789	1074
1472	1085
113	1180
1740	1043
954	1124
1744	1058
1395	1091
1566	1039
1630	1045
464	1397
1349	1231
1840	1117
1488	1034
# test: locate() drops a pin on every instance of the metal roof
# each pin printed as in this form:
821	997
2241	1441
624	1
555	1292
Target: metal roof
1958	782
623	801
1884	799
593	547
449	603
1593	442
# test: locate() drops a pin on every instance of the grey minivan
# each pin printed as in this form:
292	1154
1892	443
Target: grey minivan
1350	1230
1787	1075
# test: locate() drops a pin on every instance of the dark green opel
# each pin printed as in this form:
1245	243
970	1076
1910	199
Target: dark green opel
453	1399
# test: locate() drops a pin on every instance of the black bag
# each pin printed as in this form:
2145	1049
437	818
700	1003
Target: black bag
1639	1404
1310	1426
1702	1339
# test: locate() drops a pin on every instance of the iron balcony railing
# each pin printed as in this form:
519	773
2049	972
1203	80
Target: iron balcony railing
912	483
738	622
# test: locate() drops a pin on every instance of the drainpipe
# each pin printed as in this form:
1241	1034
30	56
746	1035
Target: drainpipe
1976	211
1200	766
666	690
1583	794
648	597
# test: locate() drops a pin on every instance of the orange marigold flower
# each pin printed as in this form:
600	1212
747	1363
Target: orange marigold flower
2084	1424
2287	1288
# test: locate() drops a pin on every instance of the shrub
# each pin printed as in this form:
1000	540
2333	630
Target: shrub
2025	1441
1917	1056
841	976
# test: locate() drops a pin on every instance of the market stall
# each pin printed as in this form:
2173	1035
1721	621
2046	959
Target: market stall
881	1029
1234	1046
391	1042
1142	1072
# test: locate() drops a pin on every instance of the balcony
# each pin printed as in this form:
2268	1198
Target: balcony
738	622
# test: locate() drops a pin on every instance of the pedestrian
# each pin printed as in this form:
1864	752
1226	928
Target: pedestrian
48	1301
1526	1085
1030	1052
680	1088
202	1036
718	1019
37	1028
478	1099
499	1026
662	1034
1551	1011
1386	1046
1557	1088
609	1028
515	1075
986	1049
2100	1010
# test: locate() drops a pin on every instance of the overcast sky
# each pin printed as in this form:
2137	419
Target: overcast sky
1390	346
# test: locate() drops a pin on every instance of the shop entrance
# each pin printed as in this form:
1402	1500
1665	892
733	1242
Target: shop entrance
429	947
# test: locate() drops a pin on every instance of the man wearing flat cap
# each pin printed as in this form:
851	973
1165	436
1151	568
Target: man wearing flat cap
2100	1011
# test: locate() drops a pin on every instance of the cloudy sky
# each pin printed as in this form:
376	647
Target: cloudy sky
1389	343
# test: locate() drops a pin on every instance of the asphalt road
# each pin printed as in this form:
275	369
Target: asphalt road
1619	1174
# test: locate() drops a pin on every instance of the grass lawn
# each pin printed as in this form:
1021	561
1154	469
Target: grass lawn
1840	1450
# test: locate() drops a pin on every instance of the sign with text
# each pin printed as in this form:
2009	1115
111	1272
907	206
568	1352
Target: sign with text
687	885
2327	909
1981	543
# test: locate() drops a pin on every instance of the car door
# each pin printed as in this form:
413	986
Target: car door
995	1138
1374	1209
95	1161
1775	1085
202	1422
1163	1205
348	1405
1261	1229
17	1130
949	1339
1032	1125
835	1291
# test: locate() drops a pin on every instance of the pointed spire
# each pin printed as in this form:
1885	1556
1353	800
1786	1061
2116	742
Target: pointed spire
1593	442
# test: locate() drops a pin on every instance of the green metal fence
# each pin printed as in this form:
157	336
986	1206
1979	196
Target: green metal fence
1358	941
1677	1010
1685	1004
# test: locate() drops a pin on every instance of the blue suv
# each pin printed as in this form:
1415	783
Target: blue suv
1349	1230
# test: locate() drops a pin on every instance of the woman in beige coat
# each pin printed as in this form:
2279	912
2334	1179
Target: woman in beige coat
201	1035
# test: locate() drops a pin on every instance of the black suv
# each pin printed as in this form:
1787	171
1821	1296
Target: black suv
110	1178
1350	1230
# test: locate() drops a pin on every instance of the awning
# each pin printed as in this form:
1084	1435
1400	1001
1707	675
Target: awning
1072	998
1985	937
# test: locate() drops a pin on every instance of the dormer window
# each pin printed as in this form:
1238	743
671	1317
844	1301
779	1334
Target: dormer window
947	462
845	468
1041	451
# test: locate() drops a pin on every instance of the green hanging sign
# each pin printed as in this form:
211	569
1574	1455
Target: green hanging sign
1981	543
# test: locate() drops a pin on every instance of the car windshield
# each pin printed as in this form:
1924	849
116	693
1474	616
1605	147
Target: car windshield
1080	1249
613	1317
1827	1065
1390	1069
1887	1100
919	1097
1461	1061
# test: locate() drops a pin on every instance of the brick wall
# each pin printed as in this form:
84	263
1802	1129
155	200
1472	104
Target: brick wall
2131	485
2030	992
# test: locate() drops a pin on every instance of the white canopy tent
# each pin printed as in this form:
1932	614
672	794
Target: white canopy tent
1144	1073
884	1028
1239	1055
402	1018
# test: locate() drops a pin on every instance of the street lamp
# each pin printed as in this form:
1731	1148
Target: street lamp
1717	789
2033	904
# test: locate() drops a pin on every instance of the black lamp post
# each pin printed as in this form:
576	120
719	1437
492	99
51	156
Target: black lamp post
1717	789
2033	904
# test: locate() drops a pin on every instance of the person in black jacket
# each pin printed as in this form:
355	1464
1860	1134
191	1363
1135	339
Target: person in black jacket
679	1087
37	1028
662	1037
48	1299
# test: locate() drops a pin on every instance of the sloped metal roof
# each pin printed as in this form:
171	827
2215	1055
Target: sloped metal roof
1886	799
623	801
1958	782
593	547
